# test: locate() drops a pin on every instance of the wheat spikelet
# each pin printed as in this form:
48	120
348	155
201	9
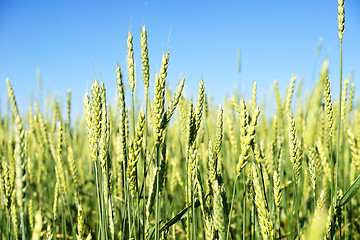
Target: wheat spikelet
252	126
139	134
56	200
49	234
191	126
19	153
212	164
292	138
206	107
253	96
355	154
31	214
134	153
277	190
172	105
59	162
324	161
68	107
164	66
104	132
73	171
122	127
130	62
219	214
341	18
89	237
14	218
232	137
247	134
11	148
132	170
192	152
36	235
343	100
95	120
80	223
20	162
318	224
42	125
30	163
275	140
328	104
278	101
351	99
289	94
312	169
183	116
8	187
150	201
88	115
320	204
266	226
38	132
12	98
200	105
243	115
219	130
145	57
159	102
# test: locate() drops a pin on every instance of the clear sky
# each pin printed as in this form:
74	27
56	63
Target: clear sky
72	41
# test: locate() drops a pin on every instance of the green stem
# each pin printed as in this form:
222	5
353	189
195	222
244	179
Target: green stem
244	207
338	132
63	222
22	222
296	213
134	220
145	144
231	206
254	220
278	221
98	197
157	206
133	113
193	207
9	224
127	202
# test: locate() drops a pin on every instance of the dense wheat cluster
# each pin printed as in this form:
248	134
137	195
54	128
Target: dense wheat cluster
183	168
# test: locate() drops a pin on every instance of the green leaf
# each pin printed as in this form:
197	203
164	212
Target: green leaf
350	193
180	215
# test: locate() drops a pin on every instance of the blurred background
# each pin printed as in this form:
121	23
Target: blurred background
67	44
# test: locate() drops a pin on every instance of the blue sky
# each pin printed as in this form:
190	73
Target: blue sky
72	42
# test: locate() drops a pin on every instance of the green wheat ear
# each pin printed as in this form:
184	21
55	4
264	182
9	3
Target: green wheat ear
172	105
20	158
8	187
20	163
341	18
122	116
80	226
68	107
290	92
266	226
292	138
130	62
219	130
200	104
328	104
277	190
145	57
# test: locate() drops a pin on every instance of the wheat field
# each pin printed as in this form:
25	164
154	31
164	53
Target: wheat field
181	168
